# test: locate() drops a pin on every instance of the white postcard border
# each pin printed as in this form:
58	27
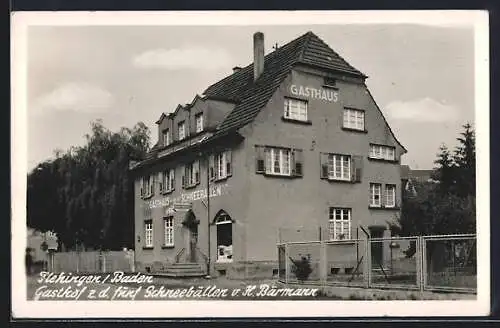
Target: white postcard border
22	308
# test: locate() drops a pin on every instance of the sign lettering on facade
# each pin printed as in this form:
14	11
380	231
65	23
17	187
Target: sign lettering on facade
188	197
310	92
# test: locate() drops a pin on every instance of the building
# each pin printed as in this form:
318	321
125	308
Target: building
410	179
40	245
294	139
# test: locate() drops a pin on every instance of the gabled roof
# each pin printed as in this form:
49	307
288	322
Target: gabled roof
162	116
251	95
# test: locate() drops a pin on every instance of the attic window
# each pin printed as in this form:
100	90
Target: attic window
330	82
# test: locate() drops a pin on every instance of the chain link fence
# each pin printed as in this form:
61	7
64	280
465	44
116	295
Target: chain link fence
450	263
92	261
445	263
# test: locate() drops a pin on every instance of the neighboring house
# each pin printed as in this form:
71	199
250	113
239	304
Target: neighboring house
35	241
411	178
293	140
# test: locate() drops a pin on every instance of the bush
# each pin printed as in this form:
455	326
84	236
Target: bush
302	268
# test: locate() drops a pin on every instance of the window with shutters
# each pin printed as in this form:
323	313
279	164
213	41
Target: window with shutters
191	176
341	167
382	152
354	119
148	234
336	167
168	225
339	223
221	165
375	194
279	161
295	109
167	179
390	195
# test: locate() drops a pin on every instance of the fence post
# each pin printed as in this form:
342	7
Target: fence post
323	263
367	268
419	262
132	261
103	262
77	262
424	263
286	264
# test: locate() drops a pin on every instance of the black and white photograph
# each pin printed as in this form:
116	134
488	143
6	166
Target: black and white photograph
318	160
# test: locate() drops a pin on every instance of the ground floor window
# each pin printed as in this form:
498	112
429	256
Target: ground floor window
339	223
224	226
169	231
148	233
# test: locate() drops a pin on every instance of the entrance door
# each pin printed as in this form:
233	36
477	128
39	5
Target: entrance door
377	246
193	242
224	238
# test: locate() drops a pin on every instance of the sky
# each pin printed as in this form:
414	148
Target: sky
422	77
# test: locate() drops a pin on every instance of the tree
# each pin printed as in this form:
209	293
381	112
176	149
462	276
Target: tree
448	206
446	170
86	194
465	159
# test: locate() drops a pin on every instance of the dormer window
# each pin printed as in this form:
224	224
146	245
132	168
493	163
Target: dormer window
199	122
166	137
182	130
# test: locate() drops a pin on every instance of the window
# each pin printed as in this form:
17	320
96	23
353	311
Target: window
220	162
148	233
382	152
354	119
166	138
390	195
182	130
339	167
199	122
295	109
375	194
191	174
330	82
167	183
147	187
277	161
220	165
340	223
169	231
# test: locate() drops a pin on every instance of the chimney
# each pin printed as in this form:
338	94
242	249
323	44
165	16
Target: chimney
258	55
236	69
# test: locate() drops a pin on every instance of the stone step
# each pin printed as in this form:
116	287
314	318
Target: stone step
181	274
184	265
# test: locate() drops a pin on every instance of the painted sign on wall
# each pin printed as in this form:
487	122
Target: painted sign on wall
310	92
188	197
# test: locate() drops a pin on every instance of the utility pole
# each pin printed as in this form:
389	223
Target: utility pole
208	212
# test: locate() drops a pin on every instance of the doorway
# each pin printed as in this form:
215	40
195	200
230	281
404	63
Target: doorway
224	226
377	246
193	242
